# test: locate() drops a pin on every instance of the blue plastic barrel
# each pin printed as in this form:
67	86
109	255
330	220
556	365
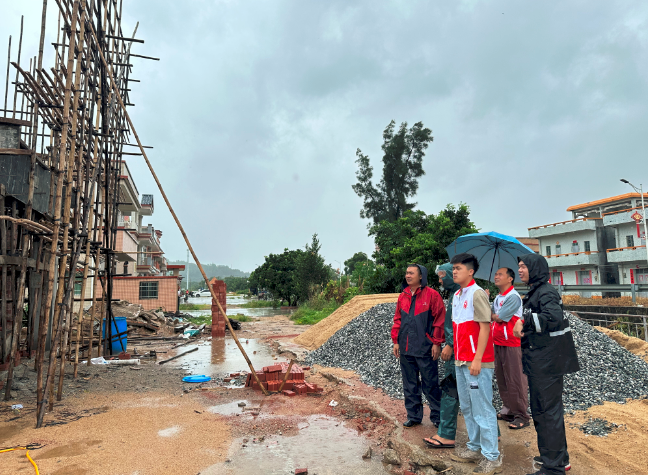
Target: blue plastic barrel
118	343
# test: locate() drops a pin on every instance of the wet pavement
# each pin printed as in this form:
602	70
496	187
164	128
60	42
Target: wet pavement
323	444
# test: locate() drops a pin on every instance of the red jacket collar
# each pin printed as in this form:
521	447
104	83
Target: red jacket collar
472	282
505	293
409	290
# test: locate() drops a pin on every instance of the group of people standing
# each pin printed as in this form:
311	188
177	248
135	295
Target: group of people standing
525	342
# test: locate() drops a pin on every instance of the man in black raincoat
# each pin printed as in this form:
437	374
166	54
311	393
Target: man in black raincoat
548	353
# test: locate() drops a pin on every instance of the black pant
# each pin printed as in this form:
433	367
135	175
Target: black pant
428	369
548	417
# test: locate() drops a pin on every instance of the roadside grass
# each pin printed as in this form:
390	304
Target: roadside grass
261	304
203	319
242	318
311	312
195	306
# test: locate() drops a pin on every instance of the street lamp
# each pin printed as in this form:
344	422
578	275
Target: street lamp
643	209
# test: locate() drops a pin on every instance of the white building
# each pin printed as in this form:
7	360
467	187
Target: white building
603	243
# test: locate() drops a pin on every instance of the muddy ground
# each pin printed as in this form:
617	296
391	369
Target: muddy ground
144	420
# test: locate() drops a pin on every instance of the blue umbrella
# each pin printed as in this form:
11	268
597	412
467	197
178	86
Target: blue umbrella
492	250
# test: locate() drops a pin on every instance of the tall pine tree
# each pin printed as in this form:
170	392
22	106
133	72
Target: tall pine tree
402	167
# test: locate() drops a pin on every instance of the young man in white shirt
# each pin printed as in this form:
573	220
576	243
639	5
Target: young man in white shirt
474	358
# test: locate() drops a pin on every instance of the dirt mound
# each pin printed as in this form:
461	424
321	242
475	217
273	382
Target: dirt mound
630	343
319	333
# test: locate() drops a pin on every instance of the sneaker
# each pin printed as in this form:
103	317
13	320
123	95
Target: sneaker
410	423
489	467
465	455
538	461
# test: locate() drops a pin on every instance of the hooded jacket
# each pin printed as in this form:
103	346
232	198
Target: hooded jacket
451	287
419	319
547	345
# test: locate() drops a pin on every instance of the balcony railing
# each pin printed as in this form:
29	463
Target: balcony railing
562	222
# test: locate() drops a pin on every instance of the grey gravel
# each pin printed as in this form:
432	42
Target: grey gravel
608	372
599	427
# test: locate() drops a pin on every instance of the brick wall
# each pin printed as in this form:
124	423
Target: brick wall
218	319
127	288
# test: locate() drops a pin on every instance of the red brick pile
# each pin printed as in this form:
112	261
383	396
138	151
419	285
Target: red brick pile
272	376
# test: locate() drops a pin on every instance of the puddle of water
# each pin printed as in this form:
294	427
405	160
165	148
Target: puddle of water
235	300
230	408
170	432
221	355
325	446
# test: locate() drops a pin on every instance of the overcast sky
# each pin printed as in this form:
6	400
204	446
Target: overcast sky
257	107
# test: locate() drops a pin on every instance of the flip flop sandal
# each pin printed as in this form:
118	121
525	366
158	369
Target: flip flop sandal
438	444
518	424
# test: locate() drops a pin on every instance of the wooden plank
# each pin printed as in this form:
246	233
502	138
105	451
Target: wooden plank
7	120
14	151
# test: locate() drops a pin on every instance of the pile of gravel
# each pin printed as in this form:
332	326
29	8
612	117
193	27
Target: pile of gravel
599	427
609	372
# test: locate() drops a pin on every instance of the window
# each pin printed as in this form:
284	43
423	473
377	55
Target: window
630	241
77	288
148	290
558	251
587	246
548	250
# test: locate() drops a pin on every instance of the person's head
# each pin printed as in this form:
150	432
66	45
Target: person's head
413	275
533	269
464	266
523	270
444	272
504	278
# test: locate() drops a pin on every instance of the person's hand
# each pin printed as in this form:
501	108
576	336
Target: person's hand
475	367
397	350
517	329
446	354
436	351
498	319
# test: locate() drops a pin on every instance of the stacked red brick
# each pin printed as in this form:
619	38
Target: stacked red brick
218	318
272	376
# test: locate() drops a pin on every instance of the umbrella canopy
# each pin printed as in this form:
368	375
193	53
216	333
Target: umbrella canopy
492	250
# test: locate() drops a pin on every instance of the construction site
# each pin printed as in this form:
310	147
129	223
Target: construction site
96	359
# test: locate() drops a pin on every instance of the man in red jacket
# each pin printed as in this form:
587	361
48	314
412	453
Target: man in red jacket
417	334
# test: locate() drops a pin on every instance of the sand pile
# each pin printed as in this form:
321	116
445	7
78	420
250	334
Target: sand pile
630	343
319	333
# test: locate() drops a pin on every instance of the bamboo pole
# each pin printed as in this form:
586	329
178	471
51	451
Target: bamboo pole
175	217
66	316
83	290
63	161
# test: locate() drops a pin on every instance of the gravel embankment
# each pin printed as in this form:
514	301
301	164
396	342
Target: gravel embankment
609	372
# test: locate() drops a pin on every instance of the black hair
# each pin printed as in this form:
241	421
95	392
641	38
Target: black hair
466	259
415	265
510	273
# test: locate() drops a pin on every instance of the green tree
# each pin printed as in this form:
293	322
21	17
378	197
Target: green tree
278	276
402	167
415	238
236	284
311	273
350	264
362	271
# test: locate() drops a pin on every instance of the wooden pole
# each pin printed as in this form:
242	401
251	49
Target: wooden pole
287	375
175	217
83	291
62	165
